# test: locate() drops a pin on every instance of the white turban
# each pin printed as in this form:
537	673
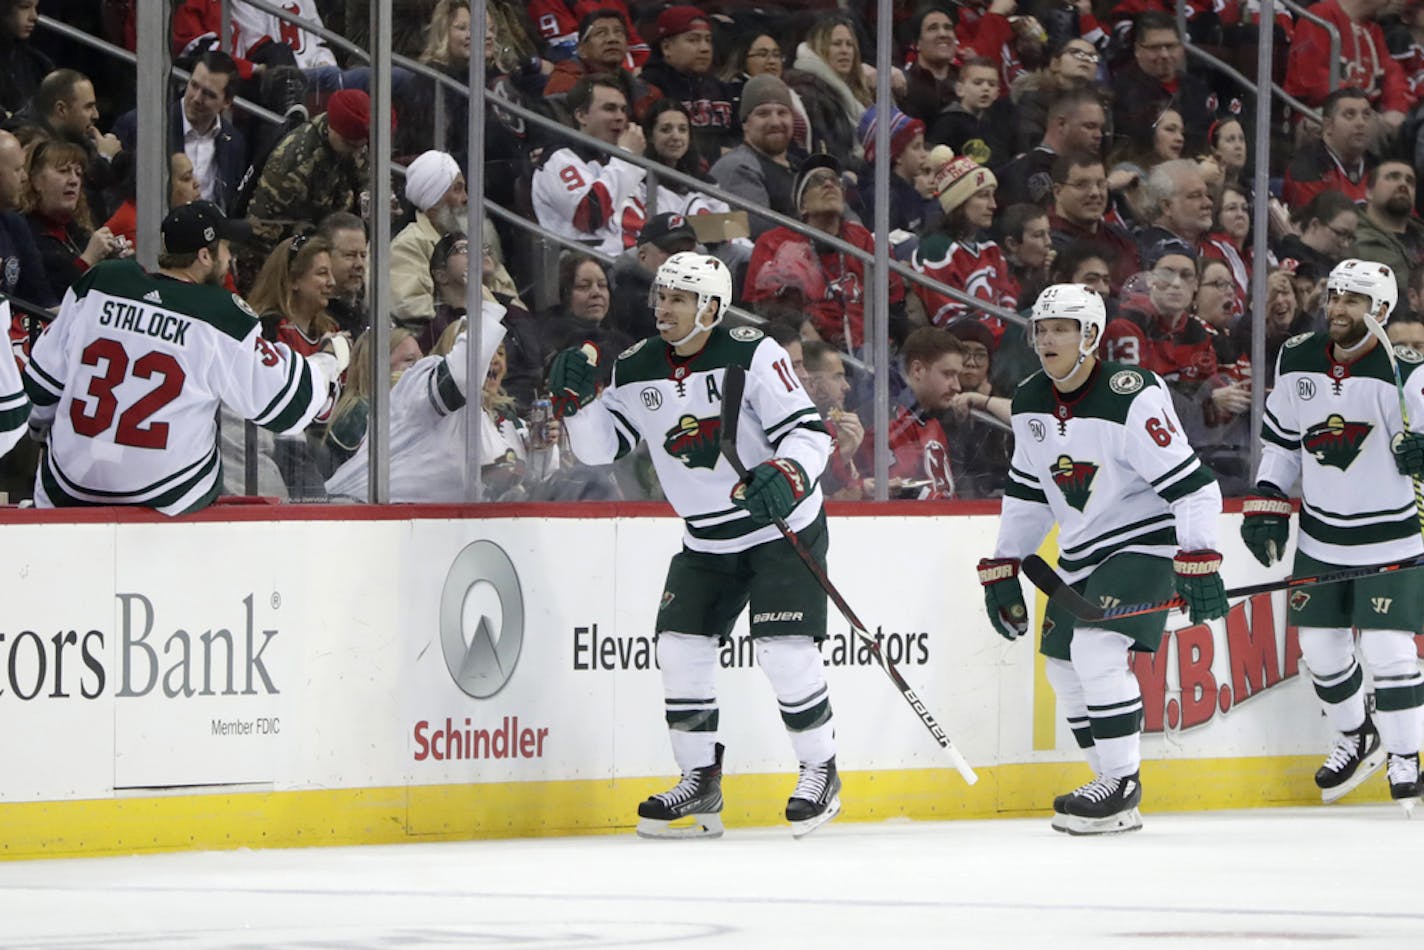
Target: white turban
429	177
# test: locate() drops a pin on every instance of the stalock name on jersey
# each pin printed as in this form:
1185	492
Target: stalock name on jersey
123	315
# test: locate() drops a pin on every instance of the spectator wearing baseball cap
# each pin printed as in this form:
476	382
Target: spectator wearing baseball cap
831	285
320	167
681	68
662	236
912	208
763	168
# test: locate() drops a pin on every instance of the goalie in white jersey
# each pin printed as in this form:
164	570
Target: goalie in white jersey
666	391
127	380
1334	423
1098	448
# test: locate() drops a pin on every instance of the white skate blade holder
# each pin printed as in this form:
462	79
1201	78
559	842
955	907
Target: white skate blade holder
800	829
1408	805
1120	823
707	825
1368	766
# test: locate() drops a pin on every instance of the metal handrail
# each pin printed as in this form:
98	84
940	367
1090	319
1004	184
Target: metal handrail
1232	73
1330	29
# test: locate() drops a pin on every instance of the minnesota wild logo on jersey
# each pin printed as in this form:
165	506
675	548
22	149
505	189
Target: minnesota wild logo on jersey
1335	441
1075	480
693	441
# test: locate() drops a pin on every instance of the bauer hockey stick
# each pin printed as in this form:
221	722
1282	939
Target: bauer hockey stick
1378	331
733	386
1047	580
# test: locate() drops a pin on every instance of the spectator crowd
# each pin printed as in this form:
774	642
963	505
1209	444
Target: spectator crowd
1030	143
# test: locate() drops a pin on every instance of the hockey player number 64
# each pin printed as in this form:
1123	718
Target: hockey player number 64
101	388
1159	432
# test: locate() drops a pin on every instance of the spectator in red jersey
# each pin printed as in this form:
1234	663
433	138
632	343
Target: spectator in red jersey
932	359
830	284
1325	230
1340	158
1080	206
558	24
955	253
1155	328
1227	240
1365	61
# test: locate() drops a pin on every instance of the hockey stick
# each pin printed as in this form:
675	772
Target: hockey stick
1379	334
733	386
1047	580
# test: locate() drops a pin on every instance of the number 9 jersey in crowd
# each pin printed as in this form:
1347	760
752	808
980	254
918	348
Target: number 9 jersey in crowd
127	382
675	405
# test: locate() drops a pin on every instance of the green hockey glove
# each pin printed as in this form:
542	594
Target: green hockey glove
772	489
1408	450
573	379
1266	527
1003	598
1199	584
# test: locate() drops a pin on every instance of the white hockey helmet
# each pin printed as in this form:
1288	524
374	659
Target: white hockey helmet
1369	279
1073	302
701	274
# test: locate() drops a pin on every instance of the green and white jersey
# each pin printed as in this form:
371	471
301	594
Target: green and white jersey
1111	466
1329	425
675	405
128	378
14	404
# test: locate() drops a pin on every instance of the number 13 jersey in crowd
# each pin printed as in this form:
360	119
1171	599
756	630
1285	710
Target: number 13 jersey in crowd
128	378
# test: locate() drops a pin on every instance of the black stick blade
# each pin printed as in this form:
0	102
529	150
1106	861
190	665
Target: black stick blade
1047	580
734	384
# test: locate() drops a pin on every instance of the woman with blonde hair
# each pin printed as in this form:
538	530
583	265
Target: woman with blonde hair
833	84
292	291
349	419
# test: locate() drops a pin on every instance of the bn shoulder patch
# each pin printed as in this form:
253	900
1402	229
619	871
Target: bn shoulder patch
1298	339
746	334
1126	382
632	349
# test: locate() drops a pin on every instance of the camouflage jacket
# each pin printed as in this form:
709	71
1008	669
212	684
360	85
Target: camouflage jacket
304	180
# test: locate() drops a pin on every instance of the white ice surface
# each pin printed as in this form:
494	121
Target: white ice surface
1341	877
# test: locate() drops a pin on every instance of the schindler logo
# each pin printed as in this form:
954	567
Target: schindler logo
482	664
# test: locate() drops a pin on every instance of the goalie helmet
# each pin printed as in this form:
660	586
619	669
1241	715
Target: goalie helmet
701	274
1073	302
1369	279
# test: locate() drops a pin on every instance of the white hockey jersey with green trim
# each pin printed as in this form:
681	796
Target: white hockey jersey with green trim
675	405
14	404
1329	424
1111	466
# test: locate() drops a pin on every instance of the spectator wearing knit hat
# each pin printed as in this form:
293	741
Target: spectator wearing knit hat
980	122
436	189
912	208
955	253
763	168
318	168
829	285
681	68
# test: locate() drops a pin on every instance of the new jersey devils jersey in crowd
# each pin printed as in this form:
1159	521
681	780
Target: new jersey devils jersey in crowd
978	268
578	196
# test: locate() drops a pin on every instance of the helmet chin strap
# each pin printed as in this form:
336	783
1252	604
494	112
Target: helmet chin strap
697	327
1082	356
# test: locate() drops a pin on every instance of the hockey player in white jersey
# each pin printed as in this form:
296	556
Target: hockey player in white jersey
1333	423
1098	448
14	404
127	379
666	391
578	191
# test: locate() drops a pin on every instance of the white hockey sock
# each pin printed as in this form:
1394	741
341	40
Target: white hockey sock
1338	679
797	674
1071	707
1112	697
689	666
1399	688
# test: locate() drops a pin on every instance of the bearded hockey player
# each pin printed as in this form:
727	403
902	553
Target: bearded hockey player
666	391
1098	449
1333	422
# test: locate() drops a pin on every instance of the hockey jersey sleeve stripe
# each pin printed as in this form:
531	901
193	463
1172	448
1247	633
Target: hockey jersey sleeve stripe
625	430
1271	435
283	395
707	519
444	392
1276	424
726	530
807	417
1117	534
14	411
43	389
300	405
1175	471
1199	478
1026	477
594	210
1014	489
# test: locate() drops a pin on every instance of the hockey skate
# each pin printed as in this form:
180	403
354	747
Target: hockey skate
1105	806
1060	808
817	798
698	796
1356	756
1404	787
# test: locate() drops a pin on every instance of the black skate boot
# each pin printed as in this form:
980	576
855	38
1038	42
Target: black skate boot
1105	806
817	798
1356	756
698	796
1404	787
1060	808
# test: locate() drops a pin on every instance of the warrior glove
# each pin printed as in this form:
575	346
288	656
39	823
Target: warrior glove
1199	584
1266	526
